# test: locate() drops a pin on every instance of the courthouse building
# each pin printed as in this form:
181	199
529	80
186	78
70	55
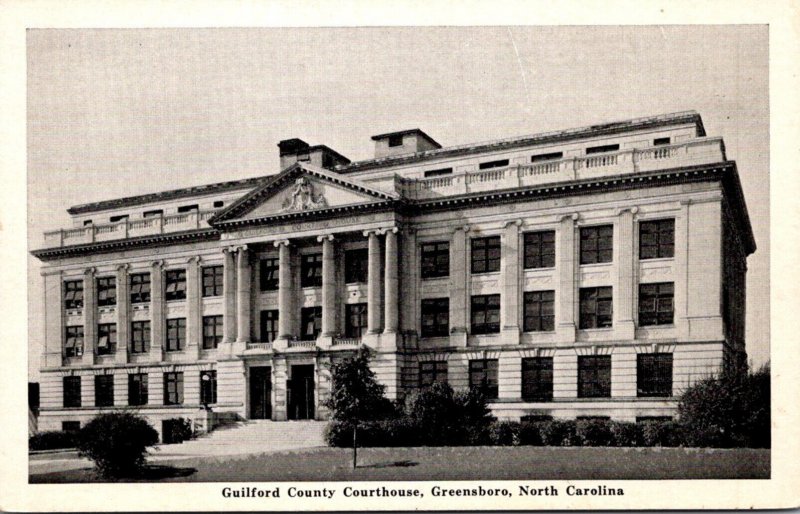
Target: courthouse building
590	272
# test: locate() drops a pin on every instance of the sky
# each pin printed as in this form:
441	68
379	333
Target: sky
121	112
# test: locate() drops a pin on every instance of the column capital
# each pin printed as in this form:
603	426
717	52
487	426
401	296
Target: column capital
517	222
90	271
123	267
464	228
281	242
386	230
574	216
632	210
375	231
324	237
158	264
194	259
240	248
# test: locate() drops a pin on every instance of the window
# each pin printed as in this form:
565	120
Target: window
153	214
87	223
212	331
547	156
356	266
73	294
106	338
218	204
269	325
656	304
188	208
501	163
435	317
121	217
539	313
176	284
140	288
396	140
268	274
104	390
432	371
596	307
208	387
661	141
483	376
540	249
356	321
537	379
601	149
486	254
657	239
73	342
438	173
597	244
106	291
486	314
140	337
212	281
70	426
72	391
176	334
435	260
654	374
594	376
312	323
137	389
173	388
311	269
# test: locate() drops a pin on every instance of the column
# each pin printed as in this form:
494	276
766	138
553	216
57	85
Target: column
229	296
510	280
328	286
285	292
89	315
123	314
373	282
243	295
157	316
194	329
623	292
566	269
458	287
391	283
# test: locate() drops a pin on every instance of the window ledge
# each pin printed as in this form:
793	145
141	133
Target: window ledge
658	259
181	300
545	268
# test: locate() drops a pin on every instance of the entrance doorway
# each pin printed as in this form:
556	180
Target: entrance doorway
300	392
261	392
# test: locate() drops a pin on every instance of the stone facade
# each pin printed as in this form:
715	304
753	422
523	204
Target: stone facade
564	261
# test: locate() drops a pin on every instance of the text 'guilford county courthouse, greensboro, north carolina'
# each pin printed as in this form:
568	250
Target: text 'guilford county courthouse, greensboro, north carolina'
586	272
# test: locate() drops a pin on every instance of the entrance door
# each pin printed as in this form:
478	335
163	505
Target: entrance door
261	392
300	392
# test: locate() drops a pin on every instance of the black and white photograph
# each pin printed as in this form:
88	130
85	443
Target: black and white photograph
484	266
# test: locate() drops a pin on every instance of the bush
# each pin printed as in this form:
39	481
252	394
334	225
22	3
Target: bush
661	433
117	443
53	440
504	433
530	433
390	432
177	430
729	411
446	418
558	432
594	432
626	434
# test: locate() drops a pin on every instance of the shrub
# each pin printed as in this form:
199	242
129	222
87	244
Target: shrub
53	440
626	434
448	418
530	433
559	432
389	432
504	433
593	432
177	430
661	433
117	443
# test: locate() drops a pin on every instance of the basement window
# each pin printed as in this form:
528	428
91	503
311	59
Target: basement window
547	156
661	141
493	164
601	149
188	208
396	140
439	172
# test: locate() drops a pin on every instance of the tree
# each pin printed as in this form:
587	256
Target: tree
117	443
356	396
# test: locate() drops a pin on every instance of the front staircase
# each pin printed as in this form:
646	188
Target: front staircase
250	437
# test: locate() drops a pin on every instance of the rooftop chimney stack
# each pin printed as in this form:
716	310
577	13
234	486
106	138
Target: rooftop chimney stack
405	141
296	150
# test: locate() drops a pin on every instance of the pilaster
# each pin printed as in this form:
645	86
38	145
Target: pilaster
123	315
566	270
391	284
194	328
229	296
243	297
54	317
510	280
409	276
624	325
157	314
89	316
459	310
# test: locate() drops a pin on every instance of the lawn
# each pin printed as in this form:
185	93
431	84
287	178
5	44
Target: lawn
455	463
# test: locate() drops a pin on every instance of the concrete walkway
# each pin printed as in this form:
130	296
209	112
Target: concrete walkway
246	438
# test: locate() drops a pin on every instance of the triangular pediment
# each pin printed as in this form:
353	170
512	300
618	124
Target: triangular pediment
302	189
